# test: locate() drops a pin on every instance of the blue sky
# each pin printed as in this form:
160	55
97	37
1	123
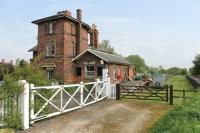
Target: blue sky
164	33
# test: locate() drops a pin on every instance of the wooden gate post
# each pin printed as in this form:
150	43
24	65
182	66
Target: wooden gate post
167	92
171	94
117	91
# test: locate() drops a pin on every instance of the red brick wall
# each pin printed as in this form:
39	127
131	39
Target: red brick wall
65	48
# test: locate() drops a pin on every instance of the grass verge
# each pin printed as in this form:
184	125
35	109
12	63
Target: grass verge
184	118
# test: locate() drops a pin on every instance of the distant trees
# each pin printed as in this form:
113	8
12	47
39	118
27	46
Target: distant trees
5	68
139	63
105	46
176	71
195	70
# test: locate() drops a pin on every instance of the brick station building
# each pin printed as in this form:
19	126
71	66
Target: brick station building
70	50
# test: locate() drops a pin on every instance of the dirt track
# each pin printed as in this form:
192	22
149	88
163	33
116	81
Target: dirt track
108	116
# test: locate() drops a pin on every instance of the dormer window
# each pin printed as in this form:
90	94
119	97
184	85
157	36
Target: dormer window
50	48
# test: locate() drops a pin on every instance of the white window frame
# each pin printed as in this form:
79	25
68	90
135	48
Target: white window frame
50	48
90	73
50	28
50	73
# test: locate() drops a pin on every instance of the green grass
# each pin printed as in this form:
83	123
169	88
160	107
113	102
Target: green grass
180	82
184	118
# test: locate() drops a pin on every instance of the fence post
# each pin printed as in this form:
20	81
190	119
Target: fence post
81	94
32	103
171	94
108	88
117	91
23	102
96	90
61	98
167	93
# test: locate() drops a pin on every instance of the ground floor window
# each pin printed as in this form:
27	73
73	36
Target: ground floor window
89	70
50	73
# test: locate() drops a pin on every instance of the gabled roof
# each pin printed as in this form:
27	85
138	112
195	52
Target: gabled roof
57	17
107	57
33	49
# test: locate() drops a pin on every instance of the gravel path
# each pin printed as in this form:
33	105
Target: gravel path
108	116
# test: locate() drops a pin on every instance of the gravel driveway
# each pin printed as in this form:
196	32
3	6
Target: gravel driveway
108	116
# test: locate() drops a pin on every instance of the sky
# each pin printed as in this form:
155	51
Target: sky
163	32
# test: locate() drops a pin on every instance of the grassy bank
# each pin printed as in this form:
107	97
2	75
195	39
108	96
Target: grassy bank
184	118
180	82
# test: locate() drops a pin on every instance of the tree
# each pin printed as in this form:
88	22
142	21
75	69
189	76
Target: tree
105	46
195	70
138	62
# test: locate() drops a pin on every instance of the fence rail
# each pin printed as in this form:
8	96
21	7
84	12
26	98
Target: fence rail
60	99
165	93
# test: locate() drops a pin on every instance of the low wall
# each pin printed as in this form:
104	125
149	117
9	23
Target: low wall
194	80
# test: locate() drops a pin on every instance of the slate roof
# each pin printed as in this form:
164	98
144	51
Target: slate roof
107	57
33	49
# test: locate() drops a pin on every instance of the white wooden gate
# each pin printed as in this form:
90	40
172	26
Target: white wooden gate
49	101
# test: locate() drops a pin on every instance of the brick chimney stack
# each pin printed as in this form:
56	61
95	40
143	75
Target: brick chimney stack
3	61
66	13
79	34
95	36
79	14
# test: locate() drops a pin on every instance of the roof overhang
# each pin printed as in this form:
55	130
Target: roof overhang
60	16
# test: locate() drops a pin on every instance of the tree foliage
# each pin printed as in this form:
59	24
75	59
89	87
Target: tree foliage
195	70
105	46
176	71
5	69
11	89
139	63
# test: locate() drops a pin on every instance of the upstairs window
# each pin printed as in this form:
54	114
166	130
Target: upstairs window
50	48
50	28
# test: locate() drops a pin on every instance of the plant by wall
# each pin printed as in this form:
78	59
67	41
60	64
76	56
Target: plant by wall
9	93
